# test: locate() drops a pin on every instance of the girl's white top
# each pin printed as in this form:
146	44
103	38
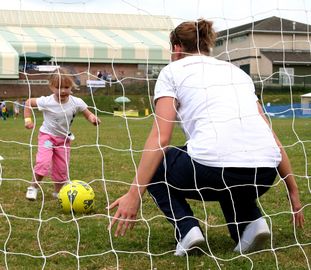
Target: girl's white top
58	117
218	113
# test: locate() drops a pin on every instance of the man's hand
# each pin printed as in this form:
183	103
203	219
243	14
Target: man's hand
126	213
298	218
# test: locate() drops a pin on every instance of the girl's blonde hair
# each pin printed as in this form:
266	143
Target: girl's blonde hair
61	78
194	36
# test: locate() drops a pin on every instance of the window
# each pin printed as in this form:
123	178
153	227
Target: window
238	39
286	76
153	70
219	42
246	68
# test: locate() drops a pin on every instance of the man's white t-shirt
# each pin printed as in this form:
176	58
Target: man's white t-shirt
218	113
58	117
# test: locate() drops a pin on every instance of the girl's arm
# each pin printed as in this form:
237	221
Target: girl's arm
91	117
29	105
155	146
285	171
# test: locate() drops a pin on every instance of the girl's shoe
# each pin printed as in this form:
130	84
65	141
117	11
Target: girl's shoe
32	193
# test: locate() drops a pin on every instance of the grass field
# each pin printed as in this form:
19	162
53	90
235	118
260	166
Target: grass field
37	235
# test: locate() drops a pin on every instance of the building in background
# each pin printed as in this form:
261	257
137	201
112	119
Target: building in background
128	48
272	50
33	43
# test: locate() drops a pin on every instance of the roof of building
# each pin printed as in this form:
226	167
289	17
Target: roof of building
27	18
269	25
82	37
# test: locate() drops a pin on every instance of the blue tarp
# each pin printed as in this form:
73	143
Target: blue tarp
285	110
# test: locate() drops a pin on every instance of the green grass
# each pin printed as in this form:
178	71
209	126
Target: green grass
37	235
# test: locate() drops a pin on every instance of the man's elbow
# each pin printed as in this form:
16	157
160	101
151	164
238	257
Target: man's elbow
164	141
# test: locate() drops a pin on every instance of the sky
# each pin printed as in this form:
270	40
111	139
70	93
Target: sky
224	13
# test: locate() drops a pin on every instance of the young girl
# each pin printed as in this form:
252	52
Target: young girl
59	110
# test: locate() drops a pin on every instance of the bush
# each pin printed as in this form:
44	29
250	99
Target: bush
281	89
107	104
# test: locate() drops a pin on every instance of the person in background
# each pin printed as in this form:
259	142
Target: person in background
99	74
16	108
2	103
59	110
105	75
4	110
231	155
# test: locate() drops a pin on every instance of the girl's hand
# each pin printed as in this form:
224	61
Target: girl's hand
28	123
94	120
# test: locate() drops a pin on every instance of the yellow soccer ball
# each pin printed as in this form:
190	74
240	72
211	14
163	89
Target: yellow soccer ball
76	196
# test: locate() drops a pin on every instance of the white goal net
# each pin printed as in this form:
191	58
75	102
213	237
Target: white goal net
114	51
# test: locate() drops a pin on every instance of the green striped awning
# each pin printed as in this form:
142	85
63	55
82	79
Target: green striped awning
9	59
87	45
